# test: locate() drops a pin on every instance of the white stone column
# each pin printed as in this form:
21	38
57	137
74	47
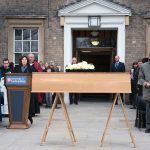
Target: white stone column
67	45
67	52
121	43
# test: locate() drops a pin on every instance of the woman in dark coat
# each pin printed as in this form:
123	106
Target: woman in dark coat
24	67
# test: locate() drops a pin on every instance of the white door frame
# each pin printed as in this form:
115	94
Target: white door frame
111	22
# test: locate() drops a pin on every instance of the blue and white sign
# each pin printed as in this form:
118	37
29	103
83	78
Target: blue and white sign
16	80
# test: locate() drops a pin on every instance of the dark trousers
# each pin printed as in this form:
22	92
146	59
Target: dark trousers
140	113
34	107
48	99
74	98
53	99
147	114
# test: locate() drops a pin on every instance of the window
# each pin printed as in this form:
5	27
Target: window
25	42
25	35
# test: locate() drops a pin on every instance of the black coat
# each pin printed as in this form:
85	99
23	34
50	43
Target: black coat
120	68
34	106
3	70
29	69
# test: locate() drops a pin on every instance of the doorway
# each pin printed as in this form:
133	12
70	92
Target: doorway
100	55
101	60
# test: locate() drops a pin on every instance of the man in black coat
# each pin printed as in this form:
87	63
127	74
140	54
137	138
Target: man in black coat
118	66
74	97
5	68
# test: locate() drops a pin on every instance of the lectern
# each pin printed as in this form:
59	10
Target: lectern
18	91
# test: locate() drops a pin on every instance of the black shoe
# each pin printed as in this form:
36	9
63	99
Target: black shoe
147	131
30	119
47	106
33	115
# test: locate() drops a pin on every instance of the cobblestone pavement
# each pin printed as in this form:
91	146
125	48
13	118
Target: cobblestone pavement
88	121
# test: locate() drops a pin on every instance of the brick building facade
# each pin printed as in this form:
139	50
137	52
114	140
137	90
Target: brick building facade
44	16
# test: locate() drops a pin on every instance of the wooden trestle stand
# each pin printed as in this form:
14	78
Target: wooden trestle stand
81	83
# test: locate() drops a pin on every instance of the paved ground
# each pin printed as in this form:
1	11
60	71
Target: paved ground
88	121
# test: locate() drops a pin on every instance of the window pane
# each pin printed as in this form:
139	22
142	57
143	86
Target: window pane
18	34
18	46
34	46
25	42
17	57
34	34
26	34
26	46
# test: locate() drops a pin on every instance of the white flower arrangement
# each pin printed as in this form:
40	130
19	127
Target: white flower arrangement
80	66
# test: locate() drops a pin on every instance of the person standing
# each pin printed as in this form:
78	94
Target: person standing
118	66
48	96
5	68
32	61
144	80
74	97
37	98
24	67
134	79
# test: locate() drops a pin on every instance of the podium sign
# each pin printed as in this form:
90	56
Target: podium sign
18	91
16	80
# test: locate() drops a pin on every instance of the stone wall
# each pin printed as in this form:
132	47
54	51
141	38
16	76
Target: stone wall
136	31
53	41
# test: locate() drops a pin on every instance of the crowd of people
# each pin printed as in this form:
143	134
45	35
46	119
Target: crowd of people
140	96
28	64
140	85
140	89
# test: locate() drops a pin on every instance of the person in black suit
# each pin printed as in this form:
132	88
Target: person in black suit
74	97
118	66
5	68
24	67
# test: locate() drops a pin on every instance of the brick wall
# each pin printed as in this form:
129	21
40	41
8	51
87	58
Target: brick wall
136	31
53	41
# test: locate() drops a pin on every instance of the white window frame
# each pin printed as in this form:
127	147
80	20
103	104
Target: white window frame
14	52
25	23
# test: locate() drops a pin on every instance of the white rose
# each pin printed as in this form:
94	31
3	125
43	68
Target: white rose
91	66
69	67
75	66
